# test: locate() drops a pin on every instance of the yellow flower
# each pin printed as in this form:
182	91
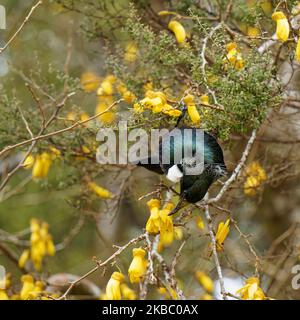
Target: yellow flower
127	95
106	86
130	52
113	287
41	245
251	290
255	169
153	223
204	99
200	223
194	114
234	56
172	113
127	293
178	30
148	86
256	175
24	258
99	191
104	103
55	153
251	186
41	166
37	290
89	81
189	99
205	281
138	108
222	233
3	295
28	286
138	266
50	247
283	27
29	162
166	225
297	55
71	116
84	116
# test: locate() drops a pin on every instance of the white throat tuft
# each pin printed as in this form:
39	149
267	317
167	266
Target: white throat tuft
174	174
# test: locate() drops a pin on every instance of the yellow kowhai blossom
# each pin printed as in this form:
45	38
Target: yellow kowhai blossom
283	27
41	166
138	266
251	290
204	99
54	153
3	295
160	221
172	112
28	162
166	227
234	56
127	293
148	86
106	86
27	287
193	113
255	169
178	30
205	281
127	95
99	191
113	287
130	52
84	116
189	99
41	245
200	223
37	290
104	103
25	256
156	101
222	233
89	81
256	175
251	186
153	223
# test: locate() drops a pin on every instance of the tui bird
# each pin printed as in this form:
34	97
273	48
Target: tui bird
193	184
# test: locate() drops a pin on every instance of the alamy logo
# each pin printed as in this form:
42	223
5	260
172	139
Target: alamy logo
296	278
2	17
160	146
